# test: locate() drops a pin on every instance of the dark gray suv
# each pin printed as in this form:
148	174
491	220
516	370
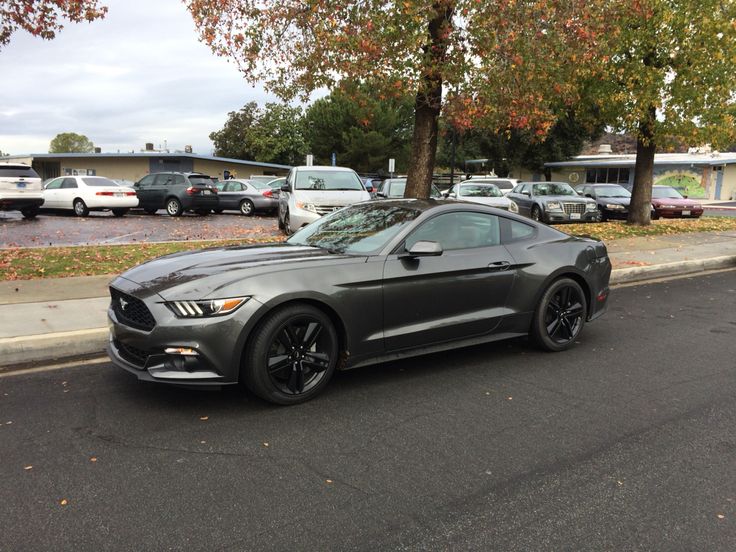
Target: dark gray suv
177	192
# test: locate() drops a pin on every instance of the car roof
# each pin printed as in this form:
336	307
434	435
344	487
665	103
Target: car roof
323	168
6	165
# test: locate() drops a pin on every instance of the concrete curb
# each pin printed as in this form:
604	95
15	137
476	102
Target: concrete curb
679	268
52	346
21	350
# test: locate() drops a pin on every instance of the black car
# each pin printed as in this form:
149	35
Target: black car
552	202
176	192
612	199
375	281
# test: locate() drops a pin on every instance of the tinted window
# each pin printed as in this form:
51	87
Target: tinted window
611	191
665	192
69	183
98	182
179	180
504	184
517	230
327	180
358	229
480	190
146	181
163	179
462	230
17	171
200	180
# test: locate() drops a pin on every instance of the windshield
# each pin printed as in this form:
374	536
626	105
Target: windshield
328	180
358	229
666	192
480	190
553	189
99	182
612	191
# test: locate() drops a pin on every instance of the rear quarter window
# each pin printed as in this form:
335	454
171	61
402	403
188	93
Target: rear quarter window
514	231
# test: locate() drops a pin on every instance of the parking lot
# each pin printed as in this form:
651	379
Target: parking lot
135	227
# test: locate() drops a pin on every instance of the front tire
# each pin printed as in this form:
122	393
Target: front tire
173	207
119	212
287	224
537	214
80	208
560	316
292	355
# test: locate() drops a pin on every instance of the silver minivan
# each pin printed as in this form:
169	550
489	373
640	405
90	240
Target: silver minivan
312	191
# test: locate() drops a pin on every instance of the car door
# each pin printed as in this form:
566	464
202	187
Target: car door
524	199
144	192
161	188
459	294
51	193
67	193
233	193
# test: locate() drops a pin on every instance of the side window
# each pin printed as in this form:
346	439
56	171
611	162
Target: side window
526	188
462	230
179	180
69	183
290	179
55	184
146	181
163	179
513	230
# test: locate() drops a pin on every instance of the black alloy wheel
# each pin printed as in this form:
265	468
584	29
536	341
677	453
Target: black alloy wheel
80	208
246	207
292	356
560	315
173	207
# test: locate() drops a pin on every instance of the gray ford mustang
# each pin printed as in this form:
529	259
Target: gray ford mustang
372	282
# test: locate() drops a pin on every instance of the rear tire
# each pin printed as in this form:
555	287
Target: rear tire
173	207
80	208
120	212
292	355
246	208
560	316
30	212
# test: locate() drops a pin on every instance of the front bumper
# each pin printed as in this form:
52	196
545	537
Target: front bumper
679	213
618	214
300	217
561	216
218	343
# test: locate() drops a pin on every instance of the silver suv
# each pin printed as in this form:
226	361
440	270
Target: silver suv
20	189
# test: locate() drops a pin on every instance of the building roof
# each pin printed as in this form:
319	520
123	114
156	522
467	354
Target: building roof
702	159
147	154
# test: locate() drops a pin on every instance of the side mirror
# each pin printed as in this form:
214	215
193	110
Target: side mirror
369	189
380	194
527	194
588	195
284	188
425	249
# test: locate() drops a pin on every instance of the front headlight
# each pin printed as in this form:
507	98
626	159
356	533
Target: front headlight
668	207
306	206
591	207
205	307
513	207
554	206
615	206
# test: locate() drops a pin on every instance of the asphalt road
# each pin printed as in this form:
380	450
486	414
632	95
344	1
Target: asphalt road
626	442
135	227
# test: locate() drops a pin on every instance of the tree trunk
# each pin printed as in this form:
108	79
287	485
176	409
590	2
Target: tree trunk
640	208
428	104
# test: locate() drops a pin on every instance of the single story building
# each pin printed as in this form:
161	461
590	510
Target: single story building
134	166
710	175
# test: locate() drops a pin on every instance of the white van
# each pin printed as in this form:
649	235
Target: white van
20	189
313	191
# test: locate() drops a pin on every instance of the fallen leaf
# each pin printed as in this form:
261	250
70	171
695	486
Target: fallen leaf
265	444
64	502
510	398
720	516
93	459
28	468
204	418
328	481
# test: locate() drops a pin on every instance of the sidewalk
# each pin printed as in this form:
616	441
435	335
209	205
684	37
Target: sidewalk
58	318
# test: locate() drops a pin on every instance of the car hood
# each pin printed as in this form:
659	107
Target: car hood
615	200
331	197
672	201
201	273
491	201
563	198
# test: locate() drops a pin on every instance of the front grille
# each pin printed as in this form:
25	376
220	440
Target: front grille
132	354
574	208
324	209
131	311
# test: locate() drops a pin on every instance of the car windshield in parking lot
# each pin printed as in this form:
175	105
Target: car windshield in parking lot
328	180
200	180
358	229
480	190
99	181
553	189
612	191
665	192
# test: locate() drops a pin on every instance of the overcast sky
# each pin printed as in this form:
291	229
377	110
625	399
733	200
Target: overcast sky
139	75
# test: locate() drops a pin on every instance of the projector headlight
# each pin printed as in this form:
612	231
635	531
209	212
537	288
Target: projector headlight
615	206
591	206
206	307
554	206
513	207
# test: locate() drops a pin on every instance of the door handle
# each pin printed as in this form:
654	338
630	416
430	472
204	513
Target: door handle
499	266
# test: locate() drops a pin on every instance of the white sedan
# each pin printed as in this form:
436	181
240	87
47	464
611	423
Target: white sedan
82	194
479	192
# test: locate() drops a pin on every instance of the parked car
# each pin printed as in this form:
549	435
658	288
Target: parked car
393	188
245	196
177	192
312	191
669	203
552	202
612	199
20	189
82	194
371	282
504	184
479	192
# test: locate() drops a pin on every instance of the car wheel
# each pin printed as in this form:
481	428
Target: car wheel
655	216
150	210
29	212
218	211
280	222
292	355
536	214
287	224
560	315
120	212
173	207
246	207
80	208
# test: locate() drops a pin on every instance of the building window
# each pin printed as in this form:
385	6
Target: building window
607	176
